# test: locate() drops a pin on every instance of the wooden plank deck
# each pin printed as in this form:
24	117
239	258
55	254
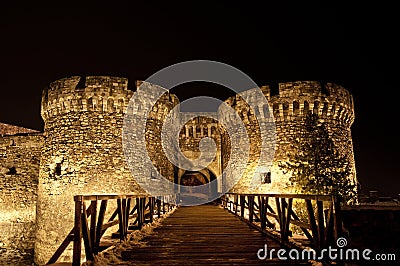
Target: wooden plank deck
203	235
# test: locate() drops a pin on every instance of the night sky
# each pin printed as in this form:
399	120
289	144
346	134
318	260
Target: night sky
354	46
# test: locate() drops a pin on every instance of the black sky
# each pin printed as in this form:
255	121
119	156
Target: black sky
355	46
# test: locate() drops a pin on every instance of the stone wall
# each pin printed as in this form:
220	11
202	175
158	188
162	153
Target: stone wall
253	109
282	118
333	104
82	153
143	145
7	130
19	171
153	140
190	136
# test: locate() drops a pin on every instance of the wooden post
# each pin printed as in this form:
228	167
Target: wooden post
146	202
99	232
140	213
86	234
313	222
128	208
329	228
158	208
76	259
235	198
93	220
279	212
283	219
143	210
242	205
163	205
338	229
288	214
263	214
124	218
250	202
151	207
120	219
321	227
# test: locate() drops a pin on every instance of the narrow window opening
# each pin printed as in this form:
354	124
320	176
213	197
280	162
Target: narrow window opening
12	171
57	170
266	178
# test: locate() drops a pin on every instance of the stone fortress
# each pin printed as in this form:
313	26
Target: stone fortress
80	151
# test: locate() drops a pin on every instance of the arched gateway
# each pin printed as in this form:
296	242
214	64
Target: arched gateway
197	184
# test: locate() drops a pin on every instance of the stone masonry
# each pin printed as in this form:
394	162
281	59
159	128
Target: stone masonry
81	152
20	151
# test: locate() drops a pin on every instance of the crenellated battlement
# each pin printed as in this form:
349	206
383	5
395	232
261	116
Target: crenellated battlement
201	126
295	99
329	101
316	89
95	94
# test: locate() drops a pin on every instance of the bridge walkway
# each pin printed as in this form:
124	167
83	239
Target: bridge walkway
204	235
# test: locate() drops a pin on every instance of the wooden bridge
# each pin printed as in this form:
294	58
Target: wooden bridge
204	235
235	230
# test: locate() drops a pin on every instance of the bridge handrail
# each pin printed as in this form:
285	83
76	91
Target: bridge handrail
290	196
83	197
90	224
324	225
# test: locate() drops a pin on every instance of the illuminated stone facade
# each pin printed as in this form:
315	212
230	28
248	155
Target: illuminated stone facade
82	152
80	149
286	109
333	104
20	150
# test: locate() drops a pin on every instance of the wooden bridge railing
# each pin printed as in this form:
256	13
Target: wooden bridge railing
322	227
90	224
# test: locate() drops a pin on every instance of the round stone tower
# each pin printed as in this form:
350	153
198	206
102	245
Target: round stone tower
333	104
82	152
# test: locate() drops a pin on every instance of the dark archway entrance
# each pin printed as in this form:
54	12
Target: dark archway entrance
196	184
193	179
